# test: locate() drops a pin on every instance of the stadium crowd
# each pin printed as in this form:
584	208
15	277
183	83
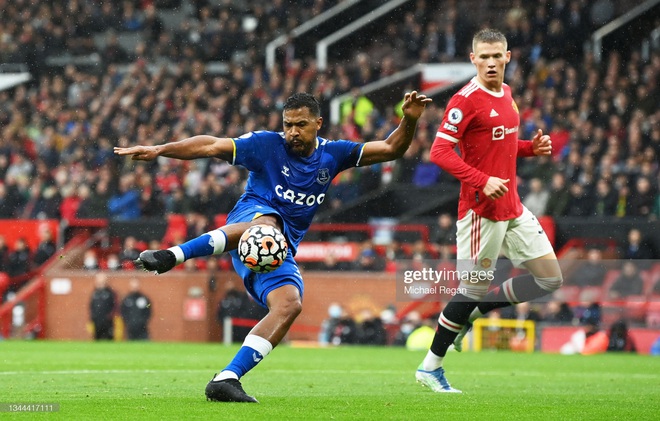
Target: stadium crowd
58	131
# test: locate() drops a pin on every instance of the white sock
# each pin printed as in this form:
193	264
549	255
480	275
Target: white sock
224	375
178	253
218	241
259	344
431	361
253	342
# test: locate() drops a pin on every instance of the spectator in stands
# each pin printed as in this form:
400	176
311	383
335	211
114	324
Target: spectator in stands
11	201
132	18
331	263
620	339
580	203
112	262
370	329
102	308
636	247
238	304
420	251
408	324
345	189
559	196
605	199
44	204
444	231
178	202
623	204
197	224
4	254
70	202
90	260
339	328
426	173
136	311
591	271
629	282
45	249
205	200
642	198
368	259
335	312
129	251
536	199
557	312
94	205
112	52
355	111
590	314
125	204
152	24
18	262
151	203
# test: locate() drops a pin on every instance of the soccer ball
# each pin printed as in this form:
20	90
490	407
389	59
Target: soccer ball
262	248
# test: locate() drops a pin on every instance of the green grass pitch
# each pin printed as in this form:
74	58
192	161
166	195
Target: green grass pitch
162	381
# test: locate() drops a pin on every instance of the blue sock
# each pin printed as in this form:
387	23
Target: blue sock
197	247
205	245
245	360
254	349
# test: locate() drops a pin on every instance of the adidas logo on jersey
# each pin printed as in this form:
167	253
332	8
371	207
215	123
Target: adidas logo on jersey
493	113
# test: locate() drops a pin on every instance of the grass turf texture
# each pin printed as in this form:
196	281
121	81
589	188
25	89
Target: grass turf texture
166	381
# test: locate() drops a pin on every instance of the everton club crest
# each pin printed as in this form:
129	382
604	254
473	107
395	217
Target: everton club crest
323	176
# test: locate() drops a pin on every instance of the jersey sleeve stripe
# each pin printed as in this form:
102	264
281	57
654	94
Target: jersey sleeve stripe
357	163
468	89
233	154
446	137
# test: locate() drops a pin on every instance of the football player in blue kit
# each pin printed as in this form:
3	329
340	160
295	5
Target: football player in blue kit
289	174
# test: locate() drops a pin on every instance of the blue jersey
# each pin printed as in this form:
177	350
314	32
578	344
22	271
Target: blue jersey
292	185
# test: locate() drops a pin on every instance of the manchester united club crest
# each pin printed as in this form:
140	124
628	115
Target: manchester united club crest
485	263
323	176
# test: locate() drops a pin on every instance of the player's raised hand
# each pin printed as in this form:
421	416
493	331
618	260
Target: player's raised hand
541	144
139	153
414	104
496	187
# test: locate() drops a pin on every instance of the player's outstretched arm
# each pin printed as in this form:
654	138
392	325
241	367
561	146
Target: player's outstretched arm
399	140
202	146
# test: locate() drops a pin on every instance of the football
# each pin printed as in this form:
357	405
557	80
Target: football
262	248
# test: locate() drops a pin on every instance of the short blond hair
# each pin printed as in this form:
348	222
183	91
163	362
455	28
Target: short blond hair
489	36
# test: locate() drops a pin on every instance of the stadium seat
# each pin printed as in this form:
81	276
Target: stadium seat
220	220
609	280
653	312
611	313
567	294
635	308
176	228
591	294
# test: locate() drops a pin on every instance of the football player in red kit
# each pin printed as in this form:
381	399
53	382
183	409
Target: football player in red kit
482	120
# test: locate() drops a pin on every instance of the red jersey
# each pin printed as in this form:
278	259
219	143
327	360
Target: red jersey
484	124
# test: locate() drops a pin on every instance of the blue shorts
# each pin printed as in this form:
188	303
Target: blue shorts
259	285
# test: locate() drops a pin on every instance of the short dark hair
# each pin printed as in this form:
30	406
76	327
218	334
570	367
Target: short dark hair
489	36
302	99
